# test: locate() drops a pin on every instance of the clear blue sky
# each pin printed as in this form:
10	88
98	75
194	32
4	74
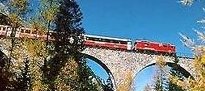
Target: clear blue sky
157	20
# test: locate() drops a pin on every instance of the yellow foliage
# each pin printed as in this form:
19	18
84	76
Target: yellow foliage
203	59
15	20
35	48
160	62
20	4
127	83
50	8
38	27
197	84
68	71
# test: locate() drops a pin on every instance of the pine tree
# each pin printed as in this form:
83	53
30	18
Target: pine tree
5	75
68	44
161	76
68	28
25	78
176	73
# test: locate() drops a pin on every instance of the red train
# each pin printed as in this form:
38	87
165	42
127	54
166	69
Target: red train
97	41
126	44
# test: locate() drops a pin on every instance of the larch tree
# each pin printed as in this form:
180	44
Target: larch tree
45	65
198	48
126	85
16	13
160	77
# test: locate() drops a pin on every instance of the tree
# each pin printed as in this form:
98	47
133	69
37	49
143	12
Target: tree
45	65
147	88
14	15
198	48
25	78
176	73
186	2
160	79
67	46
126	85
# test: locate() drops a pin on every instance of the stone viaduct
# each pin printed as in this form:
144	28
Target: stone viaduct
122	62
119	63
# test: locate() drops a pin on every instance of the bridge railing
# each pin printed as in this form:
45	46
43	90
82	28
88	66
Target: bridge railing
184	55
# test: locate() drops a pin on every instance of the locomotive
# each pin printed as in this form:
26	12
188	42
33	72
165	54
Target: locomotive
146	45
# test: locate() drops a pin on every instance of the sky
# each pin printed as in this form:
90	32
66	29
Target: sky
155	20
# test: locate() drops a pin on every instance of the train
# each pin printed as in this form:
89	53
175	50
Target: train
97	41
5	31
126	44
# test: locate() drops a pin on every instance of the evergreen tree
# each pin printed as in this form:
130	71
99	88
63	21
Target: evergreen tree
176	73
68	44
24	80
68	28
158	85
5	75
161	81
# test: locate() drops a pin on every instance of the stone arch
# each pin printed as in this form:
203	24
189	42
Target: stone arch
170	64
103	66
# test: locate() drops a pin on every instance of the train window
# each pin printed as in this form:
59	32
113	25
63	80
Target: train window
105	40
22	30
34	32
27	31
40	33
115	41
123	42
89	38
4	29
165	45
94	39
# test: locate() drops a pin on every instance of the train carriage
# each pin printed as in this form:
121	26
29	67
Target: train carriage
5	30
107	42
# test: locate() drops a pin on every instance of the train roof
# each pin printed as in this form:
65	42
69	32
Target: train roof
138	40
105	37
